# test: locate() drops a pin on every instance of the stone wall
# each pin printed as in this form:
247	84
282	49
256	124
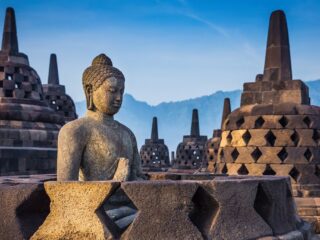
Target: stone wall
222	208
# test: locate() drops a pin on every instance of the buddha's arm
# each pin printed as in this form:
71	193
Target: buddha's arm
136	163
70	148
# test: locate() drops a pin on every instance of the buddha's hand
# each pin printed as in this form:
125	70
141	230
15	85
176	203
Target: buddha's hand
123	170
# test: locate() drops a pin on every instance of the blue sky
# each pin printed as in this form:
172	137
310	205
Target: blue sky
168	50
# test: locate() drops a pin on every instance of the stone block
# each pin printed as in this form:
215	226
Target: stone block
244	155
283	137
256	169
18	93
26	86
269	155
222	224
306	138
225	140
75	211
274	202
233	168
8	84
172	221
238	139
23	208
296	155
258	137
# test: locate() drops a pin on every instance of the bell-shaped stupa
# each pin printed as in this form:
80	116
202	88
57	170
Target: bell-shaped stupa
28	127
190	151
276	131
154	153
55	93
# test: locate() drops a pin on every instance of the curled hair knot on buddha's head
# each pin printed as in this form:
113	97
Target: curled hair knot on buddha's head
101	70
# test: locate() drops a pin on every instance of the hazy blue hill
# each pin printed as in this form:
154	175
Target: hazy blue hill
174	118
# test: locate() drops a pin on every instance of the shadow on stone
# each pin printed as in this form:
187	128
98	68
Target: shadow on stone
118	212
262	204
32	212
204	211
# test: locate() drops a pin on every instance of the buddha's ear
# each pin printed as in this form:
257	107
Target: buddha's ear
89	96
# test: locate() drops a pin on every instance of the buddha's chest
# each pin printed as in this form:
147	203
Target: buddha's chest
107	144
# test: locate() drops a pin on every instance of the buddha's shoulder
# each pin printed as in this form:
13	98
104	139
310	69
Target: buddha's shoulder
125	129
76	127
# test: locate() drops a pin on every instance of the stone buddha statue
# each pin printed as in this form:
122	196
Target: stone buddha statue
97	147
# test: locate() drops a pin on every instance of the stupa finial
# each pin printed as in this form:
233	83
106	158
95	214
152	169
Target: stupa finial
195	123
278	62
154	131
9	37
53	77
226	110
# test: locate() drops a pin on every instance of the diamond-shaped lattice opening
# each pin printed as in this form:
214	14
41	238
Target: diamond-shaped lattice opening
239	122
295	174
221	154
295	138
307	121
229	138
117	212
234	154
308	154
316	136
32	212
256	154
243	170
246	137
259	122
283	121
205	209
283	154
224	169
269	171
270	138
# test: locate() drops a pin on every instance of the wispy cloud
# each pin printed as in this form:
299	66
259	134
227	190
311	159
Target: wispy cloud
210	24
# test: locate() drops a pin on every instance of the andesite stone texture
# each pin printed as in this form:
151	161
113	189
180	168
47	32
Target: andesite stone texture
190	151
212	145
23	208
154	153
275	131
74	211
201	209
90	148
55	93
28	127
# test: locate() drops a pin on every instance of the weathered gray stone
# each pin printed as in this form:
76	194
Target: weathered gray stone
89	148
74	211
173	199
23	208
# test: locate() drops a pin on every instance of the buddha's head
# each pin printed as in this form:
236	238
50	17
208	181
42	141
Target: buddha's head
103	85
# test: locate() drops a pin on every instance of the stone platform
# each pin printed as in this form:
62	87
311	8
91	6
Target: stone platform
220	208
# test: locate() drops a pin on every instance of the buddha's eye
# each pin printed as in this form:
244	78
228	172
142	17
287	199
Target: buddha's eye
112	90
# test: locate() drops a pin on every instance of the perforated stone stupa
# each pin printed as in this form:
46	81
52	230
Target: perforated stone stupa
275	131
154	153
28	127
55	93
213	144
190	151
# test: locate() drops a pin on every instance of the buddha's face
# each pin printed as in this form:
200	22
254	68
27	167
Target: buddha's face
108	97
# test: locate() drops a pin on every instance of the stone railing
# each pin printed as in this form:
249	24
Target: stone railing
222	208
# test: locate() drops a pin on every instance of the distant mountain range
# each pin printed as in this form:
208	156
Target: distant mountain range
174	118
